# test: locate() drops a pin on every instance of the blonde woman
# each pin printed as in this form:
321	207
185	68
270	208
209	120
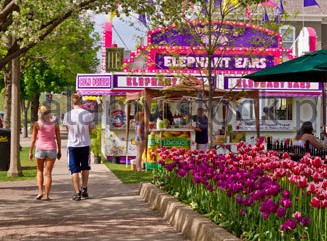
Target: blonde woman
46	138
140	139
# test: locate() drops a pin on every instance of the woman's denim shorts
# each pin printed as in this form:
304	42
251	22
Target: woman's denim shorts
49	154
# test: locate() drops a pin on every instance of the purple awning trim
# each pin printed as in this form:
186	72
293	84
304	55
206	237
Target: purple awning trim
106	92
290	94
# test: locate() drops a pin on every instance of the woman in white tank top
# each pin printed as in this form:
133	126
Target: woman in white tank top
304	134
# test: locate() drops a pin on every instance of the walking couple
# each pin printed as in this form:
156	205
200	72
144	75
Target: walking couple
46	138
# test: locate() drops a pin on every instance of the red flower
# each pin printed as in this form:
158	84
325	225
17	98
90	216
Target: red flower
302	182
324	173
324	203
311	188
317	177
315	202
316	162
297	170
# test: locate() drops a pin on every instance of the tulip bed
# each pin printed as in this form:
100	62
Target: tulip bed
254	194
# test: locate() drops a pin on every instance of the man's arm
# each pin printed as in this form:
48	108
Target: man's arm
202	123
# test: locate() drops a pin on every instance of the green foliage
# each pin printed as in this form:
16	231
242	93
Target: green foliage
29	22
54	63
72	47
37	78
96	140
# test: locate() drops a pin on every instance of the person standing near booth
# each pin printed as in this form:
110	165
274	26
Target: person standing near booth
140	139
79	124
201	130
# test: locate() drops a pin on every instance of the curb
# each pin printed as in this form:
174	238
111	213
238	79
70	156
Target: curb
183	218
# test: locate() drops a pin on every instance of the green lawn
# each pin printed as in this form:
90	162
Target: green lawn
127	175
28	168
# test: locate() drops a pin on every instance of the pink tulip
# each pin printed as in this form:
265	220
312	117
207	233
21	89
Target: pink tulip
297	215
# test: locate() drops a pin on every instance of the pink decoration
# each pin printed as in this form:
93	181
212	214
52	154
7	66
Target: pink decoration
268	4
248	12
107	34
312	39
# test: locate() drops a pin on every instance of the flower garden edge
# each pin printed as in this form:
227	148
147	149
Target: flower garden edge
185	220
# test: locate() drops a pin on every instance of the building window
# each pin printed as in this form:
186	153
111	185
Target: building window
288	36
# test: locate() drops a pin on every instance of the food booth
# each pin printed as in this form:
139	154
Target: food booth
117	116
179	134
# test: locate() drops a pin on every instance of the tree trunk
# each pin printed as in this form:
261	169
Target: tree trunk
15	167
25	121
35	108
7	100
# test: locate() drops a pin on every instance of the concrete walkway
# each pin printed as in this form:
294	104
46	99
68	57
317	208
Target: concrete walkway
113	212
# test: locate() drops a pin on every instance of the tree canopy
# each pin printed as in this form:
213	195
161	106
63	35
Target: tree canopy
53	64
28	22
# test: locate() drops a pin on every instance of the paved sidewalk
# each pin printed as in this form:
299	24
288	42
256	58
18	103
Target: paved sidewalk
113	212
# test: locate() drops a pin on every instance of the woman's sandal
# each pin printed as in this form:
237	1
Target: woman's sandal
39	197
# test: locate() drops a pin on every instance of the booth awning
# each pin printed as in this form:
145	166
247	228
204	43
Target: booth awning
107	92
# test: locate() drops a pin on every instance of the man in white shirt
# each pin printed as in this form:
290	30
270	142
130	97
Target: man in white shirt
79	124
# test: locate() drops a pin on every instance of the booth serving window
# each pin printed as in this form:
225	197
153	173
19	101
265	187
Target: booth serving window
277	109
271	109
245	110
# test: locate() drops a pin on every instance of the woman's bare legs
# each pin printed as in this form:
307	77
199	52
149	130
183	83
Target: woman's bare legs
39	176
48	176
138	159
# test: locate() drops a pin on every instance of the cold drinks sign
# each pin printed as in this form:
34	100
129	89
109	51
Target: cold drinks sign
93	81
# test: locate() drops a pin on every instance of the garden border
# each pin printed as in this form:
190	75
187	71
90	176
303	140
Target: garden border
182	217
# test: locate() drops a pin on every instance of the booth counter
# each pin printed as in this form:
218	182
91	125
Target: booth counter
169	137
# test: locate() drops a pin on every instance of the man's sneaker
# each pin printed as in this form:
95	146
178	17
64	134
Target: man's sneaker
76	197
84	192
